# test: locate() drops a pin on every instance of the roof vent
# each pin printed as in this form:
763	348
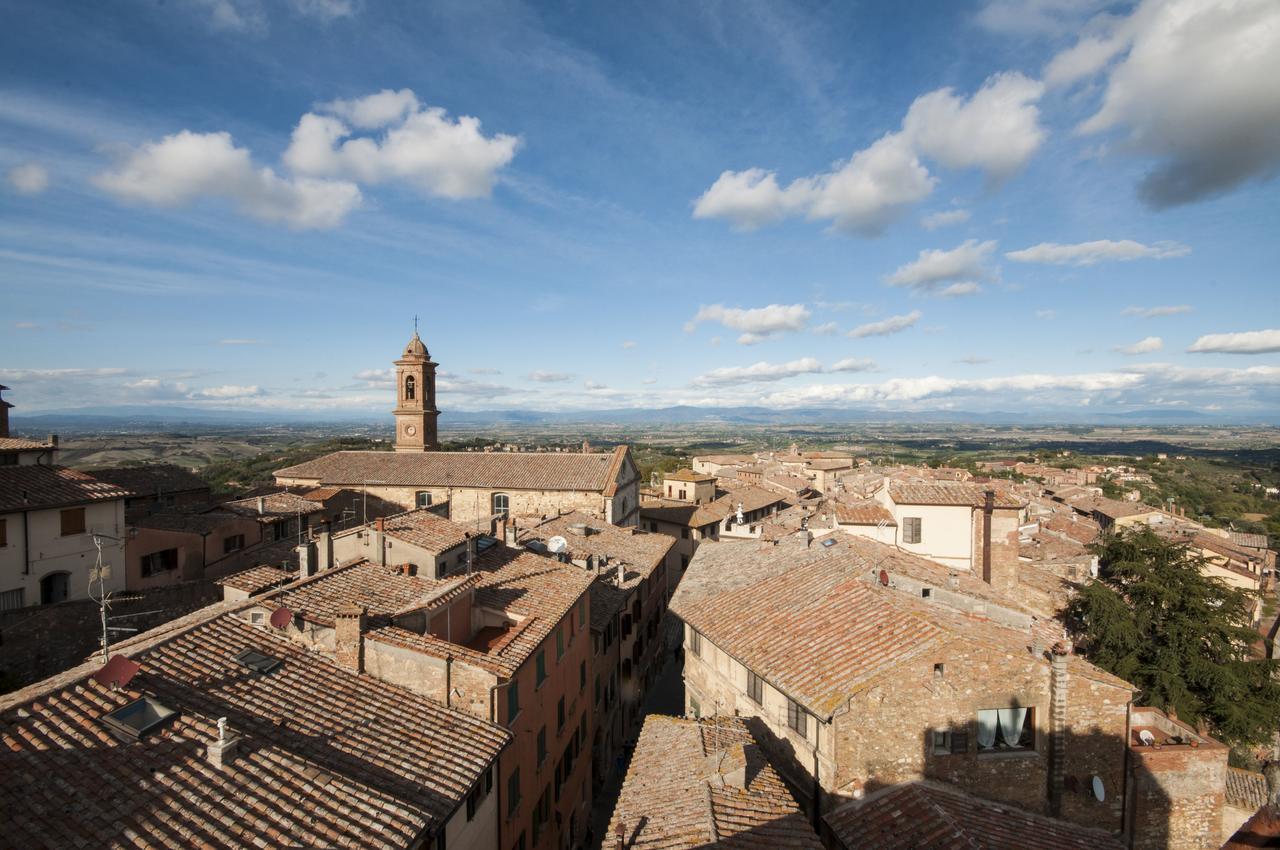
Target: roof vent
580	528
135	720
259	662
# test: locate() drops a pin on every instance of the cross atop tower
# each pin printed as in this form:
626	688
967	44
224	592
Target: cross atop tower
415	324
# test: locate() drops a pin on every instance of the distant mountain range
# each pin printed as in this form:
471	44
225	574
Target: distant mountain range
137	415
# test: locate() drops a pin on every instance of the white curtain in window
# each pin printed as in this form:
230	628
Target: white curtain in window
1011	720
987	719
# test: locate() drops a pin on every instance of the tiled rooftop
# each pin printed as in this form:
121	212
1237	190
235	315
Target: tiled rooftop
152	479
705	783
282	504
325	757
425	529
948	493
498	470
696	516
869	512
1246	789
195	523
688	475
384	591
790	482
257	579
812	621
14	444
33	487
939	817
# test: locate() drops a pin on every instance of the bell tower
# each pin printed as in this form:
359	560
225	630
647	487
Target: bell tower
415	410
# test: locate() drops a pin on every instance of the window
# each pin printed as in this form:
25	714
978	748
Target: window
11	600
258	662
540	668
422	499
513	700
513	796
410	388
55	587
4	533
234	543
542	745
597	690
159	562
559	643
911	529
653	526
560	715
283	529
72	521
684	562
501	505
797	718
1002	729
695	642
9	459
582	676
755	688
941	742
684	532
626	625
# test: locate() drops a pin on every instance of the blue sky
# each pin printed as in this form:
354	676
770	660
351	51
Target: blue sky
1001	205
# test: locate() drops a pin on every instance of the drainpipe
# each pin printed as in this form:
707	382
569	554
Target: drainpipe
1058	681
448	680
988	505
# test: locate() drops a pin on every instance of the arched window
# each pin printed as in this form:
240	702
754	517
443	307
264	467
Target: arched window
54	587
501	505
409	388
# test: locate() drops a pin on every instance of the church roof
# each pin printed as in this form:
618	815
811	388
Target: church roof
416	347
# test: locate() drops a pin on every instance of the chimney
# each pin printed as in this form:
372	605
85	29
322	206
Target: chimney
53	440
324	548
509	532
988	508
262	505
350	625
1058	681
307	559
380	540
622	568
223	750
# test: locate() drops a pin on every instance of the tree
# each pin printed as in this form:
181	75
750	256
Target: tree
1155	619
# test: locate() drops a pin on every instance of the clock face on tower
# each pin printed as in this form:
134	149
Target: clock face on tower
410	430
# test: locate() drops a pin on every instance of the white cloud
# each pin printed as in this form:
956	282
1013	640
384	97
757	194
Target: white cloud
1036	17
757	372
974	360
1046	314
649	380
1246	342
16	375
375	110
628	343
227	391
885	327
944	218
1089	56
934	266
996	130
544	377
484	370
186	166
239	342
959	290
324	10
1197	91
29	178
1142	346
234	15
1102	250
826	329
853	364
757	323
421	146
1156	312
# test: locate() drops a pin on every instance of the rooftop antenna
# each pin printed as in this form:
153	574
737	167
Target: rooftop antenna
101	572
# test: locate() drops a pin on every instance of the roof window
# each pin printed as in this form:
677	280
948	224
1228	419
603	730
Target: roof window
135	720
259	662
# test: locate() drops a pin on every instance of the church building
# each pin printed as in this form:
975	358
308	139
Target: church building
482	489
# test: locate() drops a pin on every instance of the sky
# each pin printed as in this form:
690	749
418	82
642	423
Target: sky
1033	205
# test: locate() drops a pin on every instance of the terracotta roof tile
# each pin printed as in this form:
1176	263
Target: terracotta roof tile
494	470
33	487
688	475
927	814
257	579
705	783
869	512
1246	789
14	444
384	591
325	757
423	528
696	516
948	493
152	479
282	504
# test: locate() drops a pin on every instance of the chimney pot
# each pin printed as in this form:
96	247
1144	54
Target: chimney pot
262	504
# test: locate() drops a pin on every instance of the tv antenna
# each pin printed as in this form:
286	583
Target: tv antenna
102	572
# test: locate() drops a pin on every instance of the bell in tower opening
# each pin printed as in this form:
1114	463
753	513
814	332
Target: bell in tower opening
416	399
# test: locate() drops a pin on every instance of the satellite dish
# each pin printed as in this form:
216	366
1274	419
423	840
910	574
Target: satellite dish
1146	737
1099	792
281	617
557	544
884	578
117	672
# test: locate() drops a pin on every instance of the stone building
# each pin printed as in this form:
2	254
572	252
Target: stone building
499	633
872	667
705	783
628	601
958	524
214	731
157	486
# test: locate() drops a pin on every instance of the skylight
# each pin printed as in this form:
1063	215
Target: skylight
257	661
830	541
135	720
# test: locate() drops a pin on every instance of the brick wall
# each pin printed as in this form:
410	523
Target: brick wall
38	642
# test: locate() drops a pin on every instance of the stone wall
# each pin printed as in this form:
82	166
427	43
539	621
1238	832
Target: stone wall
37	642
1178	795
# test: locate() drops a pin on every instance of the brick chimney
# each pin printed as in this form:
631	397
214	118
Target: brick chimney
324	548
349	627
307	559
998	548
380	541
